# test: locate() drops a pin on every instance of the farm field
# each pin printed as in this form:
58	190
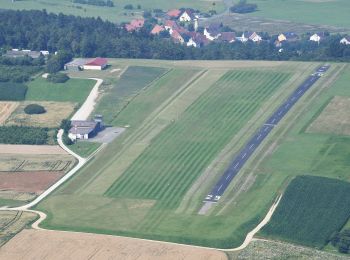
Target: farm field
6	109
334	12
74	90
311	210
180	126
121	91
114	14
52	118
12	222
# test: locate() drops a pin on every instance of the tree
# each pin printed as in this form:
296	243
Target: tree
243	7
53	65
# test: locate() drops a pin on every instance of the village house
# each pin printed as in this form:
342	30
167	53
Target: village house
228	37
174	13
170	26
197	40
157	29
288	36
242	38
317	37
187	16
135	25
345	40
253	36
212	32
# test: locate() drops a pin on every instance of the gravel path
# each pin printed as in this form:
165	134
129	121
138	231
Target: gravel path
86	109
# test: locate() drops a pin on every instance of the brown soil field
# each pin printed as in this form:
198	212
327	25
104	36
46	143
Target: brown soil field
334	119
55	113
6	109
36	162
31	149
44	244
12	222
35	182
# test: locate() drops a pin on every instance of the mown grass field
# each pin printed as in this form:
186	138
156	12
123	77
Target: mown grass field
334	12
84	149
311	210
134	187
74	90
124	89
114	14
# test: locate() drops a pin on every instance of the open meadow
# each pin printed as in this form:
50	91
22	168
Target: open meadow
150	182
116	13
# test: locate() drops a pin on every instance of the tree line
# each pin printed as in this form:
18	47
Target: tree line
87	37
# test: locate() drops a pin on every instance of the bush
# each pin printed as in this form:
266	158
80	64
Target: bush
23	135
34	109
12	91
57	78
243	7
129	7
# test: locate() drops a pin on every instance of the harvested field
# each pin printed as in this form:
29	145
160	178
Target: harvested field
35	182
31	149
36	162
55	113
12	222
6	109
334	119
38	244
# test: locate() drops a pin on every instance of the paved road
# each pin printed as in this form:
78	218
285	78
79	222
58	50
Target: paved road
245	153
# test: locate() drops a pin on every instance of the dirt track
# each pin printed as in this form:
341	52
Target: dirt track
39	244
30	149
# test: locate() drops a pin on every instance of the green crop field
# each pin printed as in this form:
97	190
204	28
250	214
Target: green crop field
333	12
126	88
311	210
74	90
114	14
141	184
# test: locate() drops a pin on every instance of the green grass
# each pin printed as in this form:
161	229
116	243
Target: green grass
84	148
176	157
114	14
311	210
335	12
74	90
12	91
133	80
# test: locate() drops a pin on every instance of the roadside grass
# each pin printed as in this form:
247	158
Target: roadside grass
84	148
311	210
333	12
117	97
74	90
113	14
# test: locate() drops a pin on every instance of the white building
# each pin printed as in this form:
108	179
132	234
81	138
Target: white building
186	16
345	40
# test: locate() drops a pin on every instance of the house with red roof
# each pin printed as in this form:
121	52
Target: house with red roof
157	29
174	13
96	64
135	25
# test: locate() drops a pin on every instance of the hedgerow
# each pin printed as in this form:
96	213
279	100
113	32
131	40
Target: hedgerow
23	135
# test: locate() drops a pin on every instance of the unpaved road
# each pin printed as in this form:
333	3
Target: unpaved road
86	109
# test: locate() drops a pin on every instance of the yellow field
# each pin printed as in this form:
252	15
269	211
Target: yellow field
6	109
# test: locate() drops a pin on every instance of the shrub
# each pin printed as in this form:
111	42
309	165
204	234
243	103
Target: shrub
34	109
128	7
243	7
12	91
57	78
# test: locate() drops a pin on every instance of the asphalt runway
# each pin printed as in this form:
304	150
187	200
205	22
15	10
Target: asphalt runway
245	153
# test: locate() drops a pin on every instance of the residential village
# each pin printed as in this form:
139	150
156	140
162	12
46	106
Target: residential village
184	27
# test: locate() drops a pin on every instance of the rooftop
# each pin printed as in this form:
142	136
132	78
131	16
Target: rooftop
98	62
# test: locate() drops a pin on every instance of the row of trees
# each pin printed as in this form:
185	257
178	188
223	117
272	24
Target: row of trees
86	37
108	3
23	135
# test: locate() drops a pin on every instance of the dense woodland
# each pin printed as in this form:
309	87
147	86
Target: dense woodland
86	37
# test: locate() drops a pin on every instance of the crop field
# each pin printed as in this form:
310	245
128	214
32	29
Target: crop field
12	91
333	12
74	90
6	109
55	113
12	222
114	14
136	185
333	119
117	96
311	210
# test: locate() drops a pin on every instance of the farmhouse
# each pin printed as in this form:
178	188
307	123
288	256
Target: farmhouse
175	13
345	40
187	16
96	64
212	32
253	36
82	129
288	36
135	25
228	37
197	40
317	37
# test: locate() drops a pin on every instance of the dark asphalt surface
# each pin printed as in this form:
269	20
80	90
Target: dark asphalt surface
245	153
